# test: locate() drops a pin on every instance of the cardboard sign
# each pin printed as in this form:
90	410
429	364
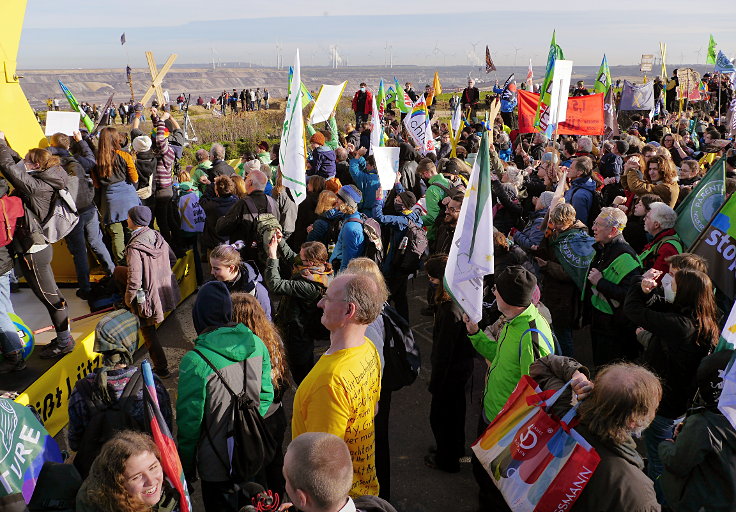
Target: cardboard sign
61	122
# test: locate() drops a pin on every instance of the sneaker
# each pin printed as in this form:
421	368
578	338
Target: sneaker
83	294
53	350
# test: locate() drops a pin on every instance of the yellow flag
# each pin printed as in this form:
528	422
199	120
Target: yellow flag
436	88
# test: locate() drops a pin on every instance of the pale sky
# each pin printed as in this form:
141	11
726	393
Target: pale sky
427	33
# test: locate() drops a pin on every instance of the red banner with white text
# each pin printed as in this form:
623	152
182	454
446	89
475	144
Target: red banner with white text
584	114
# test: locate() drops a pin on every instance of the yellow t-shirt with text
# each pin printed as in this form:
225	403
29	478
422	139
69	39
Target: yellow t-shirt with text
339	396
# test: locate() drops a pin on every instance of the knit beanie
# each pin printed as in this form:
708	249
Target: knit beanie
515	286
317	138
351	195
546	198
213	307
408	199
142	144
140	215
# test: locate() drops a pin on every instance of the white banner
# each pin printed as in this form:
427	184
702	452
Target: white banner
376	128
560	91
326	102
387	165
292	153
61	122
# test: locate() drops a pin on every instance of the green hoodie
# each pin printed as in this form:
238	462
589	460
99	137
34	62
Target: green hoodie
201	406
508	363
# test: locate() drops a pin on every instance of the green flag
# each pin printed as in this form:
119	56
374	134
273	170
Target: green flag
603	81
711	58
306	95
381	99
696	210
555	52
403	102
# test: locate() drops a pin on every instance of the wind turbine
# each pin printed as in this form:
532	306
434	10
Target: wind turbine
475	53
699	52
278	55
516	52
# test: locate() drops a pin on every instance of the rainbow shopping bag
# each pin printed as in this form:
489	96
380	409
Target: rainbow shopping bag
538	462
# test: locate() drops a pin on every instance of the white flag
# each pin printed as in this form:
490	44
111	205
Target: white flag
292	153
416	122
471	253
457	115
727	400
376	128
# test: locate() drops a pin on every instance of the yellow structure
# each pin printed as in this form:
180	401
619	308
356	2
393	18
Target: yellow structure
17	120
157	77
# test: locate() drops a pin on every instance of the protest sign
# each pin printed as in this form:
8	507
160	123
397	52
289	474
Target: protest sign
717	244
326	102
61	122
647	60
560	90
387	165
689	82
637	97
584	114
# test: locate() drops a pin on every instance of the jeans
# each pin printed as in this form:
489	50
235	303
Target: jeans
37	270
9	340
660	429
86	231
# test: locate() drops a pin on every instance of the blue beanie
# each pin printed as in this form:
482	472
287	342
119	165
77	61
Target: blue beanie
350	194
213	306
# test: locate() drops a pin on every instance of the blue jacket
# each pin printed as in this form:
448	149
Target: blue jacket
321	226
612	166
580	196
323	162
367	181
397	225
531	234
508	99
350	242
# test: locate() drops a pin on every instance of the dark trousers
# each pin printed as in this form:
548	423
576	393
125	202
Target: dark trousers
299	353
272	477
447	420
222	497
383	450
37	270
87	231
489	497
397	285
164	214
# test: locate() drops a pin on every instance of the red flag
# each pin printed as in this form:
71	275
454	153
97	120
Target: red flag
584	114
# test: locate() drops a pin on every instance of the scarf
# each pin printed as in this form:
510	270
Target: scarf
321	274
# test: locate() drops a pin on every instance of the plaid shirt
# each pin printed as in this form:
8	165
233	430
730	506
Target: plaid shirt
165	160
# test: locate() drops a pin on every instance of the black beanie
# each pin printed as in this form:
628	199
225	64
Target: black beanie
709	376
408	199
515	286
213	306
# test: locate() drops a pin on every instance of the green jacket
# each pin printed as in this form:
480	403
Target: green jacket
433	196
202	403
334	134
198	172
508	363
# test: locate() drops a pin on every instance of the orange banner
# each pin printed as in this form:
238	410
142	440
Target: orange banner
584	114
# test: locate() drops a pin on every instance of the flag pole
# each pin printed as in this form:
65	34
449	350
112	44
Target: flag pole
719	101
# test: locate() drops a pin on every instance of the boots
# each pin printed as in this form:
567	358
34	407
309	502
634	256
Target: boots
12	362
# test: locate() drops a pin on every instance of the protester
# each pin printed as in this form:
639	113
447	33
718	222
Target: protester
350	241
659	223
239	276
660	179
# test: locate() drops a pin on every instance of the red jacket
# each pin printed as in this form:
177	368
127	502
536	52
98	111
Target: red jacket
368	109
656	252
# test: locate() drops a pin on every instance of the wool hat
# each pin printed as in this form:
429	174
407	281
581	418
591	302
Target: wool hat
350	194
213	307
140	215
515	286
408	199
252	165
142	143
317	138
546	198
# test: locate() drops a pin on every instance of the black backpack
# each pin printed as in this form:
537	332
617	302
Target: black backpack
253	445
411	249
107	420
401	357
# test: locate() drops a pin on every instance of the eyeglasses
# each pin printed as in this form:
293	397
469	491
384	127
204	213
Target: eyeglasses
453	210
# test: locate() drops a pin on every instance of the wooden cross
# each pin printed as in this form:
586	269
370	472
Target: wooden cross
157	77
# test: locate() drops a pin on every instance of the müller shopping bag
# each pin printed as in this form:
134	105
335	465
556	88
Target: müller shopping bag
538	462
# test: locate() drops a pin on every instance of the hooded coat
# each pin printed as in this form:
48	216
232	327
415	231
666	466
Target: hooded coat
149	260
250	280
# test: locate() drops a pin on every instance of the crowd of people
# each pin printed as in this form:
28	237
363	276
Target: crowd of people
335	266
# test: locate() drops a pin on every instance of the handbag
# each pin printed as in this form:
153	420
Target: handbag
538	462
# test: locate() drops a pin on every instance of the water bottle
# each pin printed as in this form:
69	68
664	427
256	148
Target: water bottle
140	296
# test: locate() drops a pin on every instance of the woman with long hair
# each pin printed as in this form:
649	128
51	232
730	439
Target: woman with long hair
298	316
116	177
683	332
452	364
326	226
240	276
36	180
659	178
127	477
248	311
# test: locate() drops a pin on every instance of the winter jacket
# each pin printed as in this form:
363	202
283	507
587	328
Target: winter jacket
700	465
367	106
612	166
397	225
203	406
305	217
367	181
298	313
288	212
666	243
580	196
36	189
322	226
323	162
6	260
145	164
84	155
250	280
199	171
214	208
669	192
81	188
531	234
350	242
219	168
508	362
149	260
434	194
621	263
452	353
165	157
508	97
507	211
672	353
334	141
